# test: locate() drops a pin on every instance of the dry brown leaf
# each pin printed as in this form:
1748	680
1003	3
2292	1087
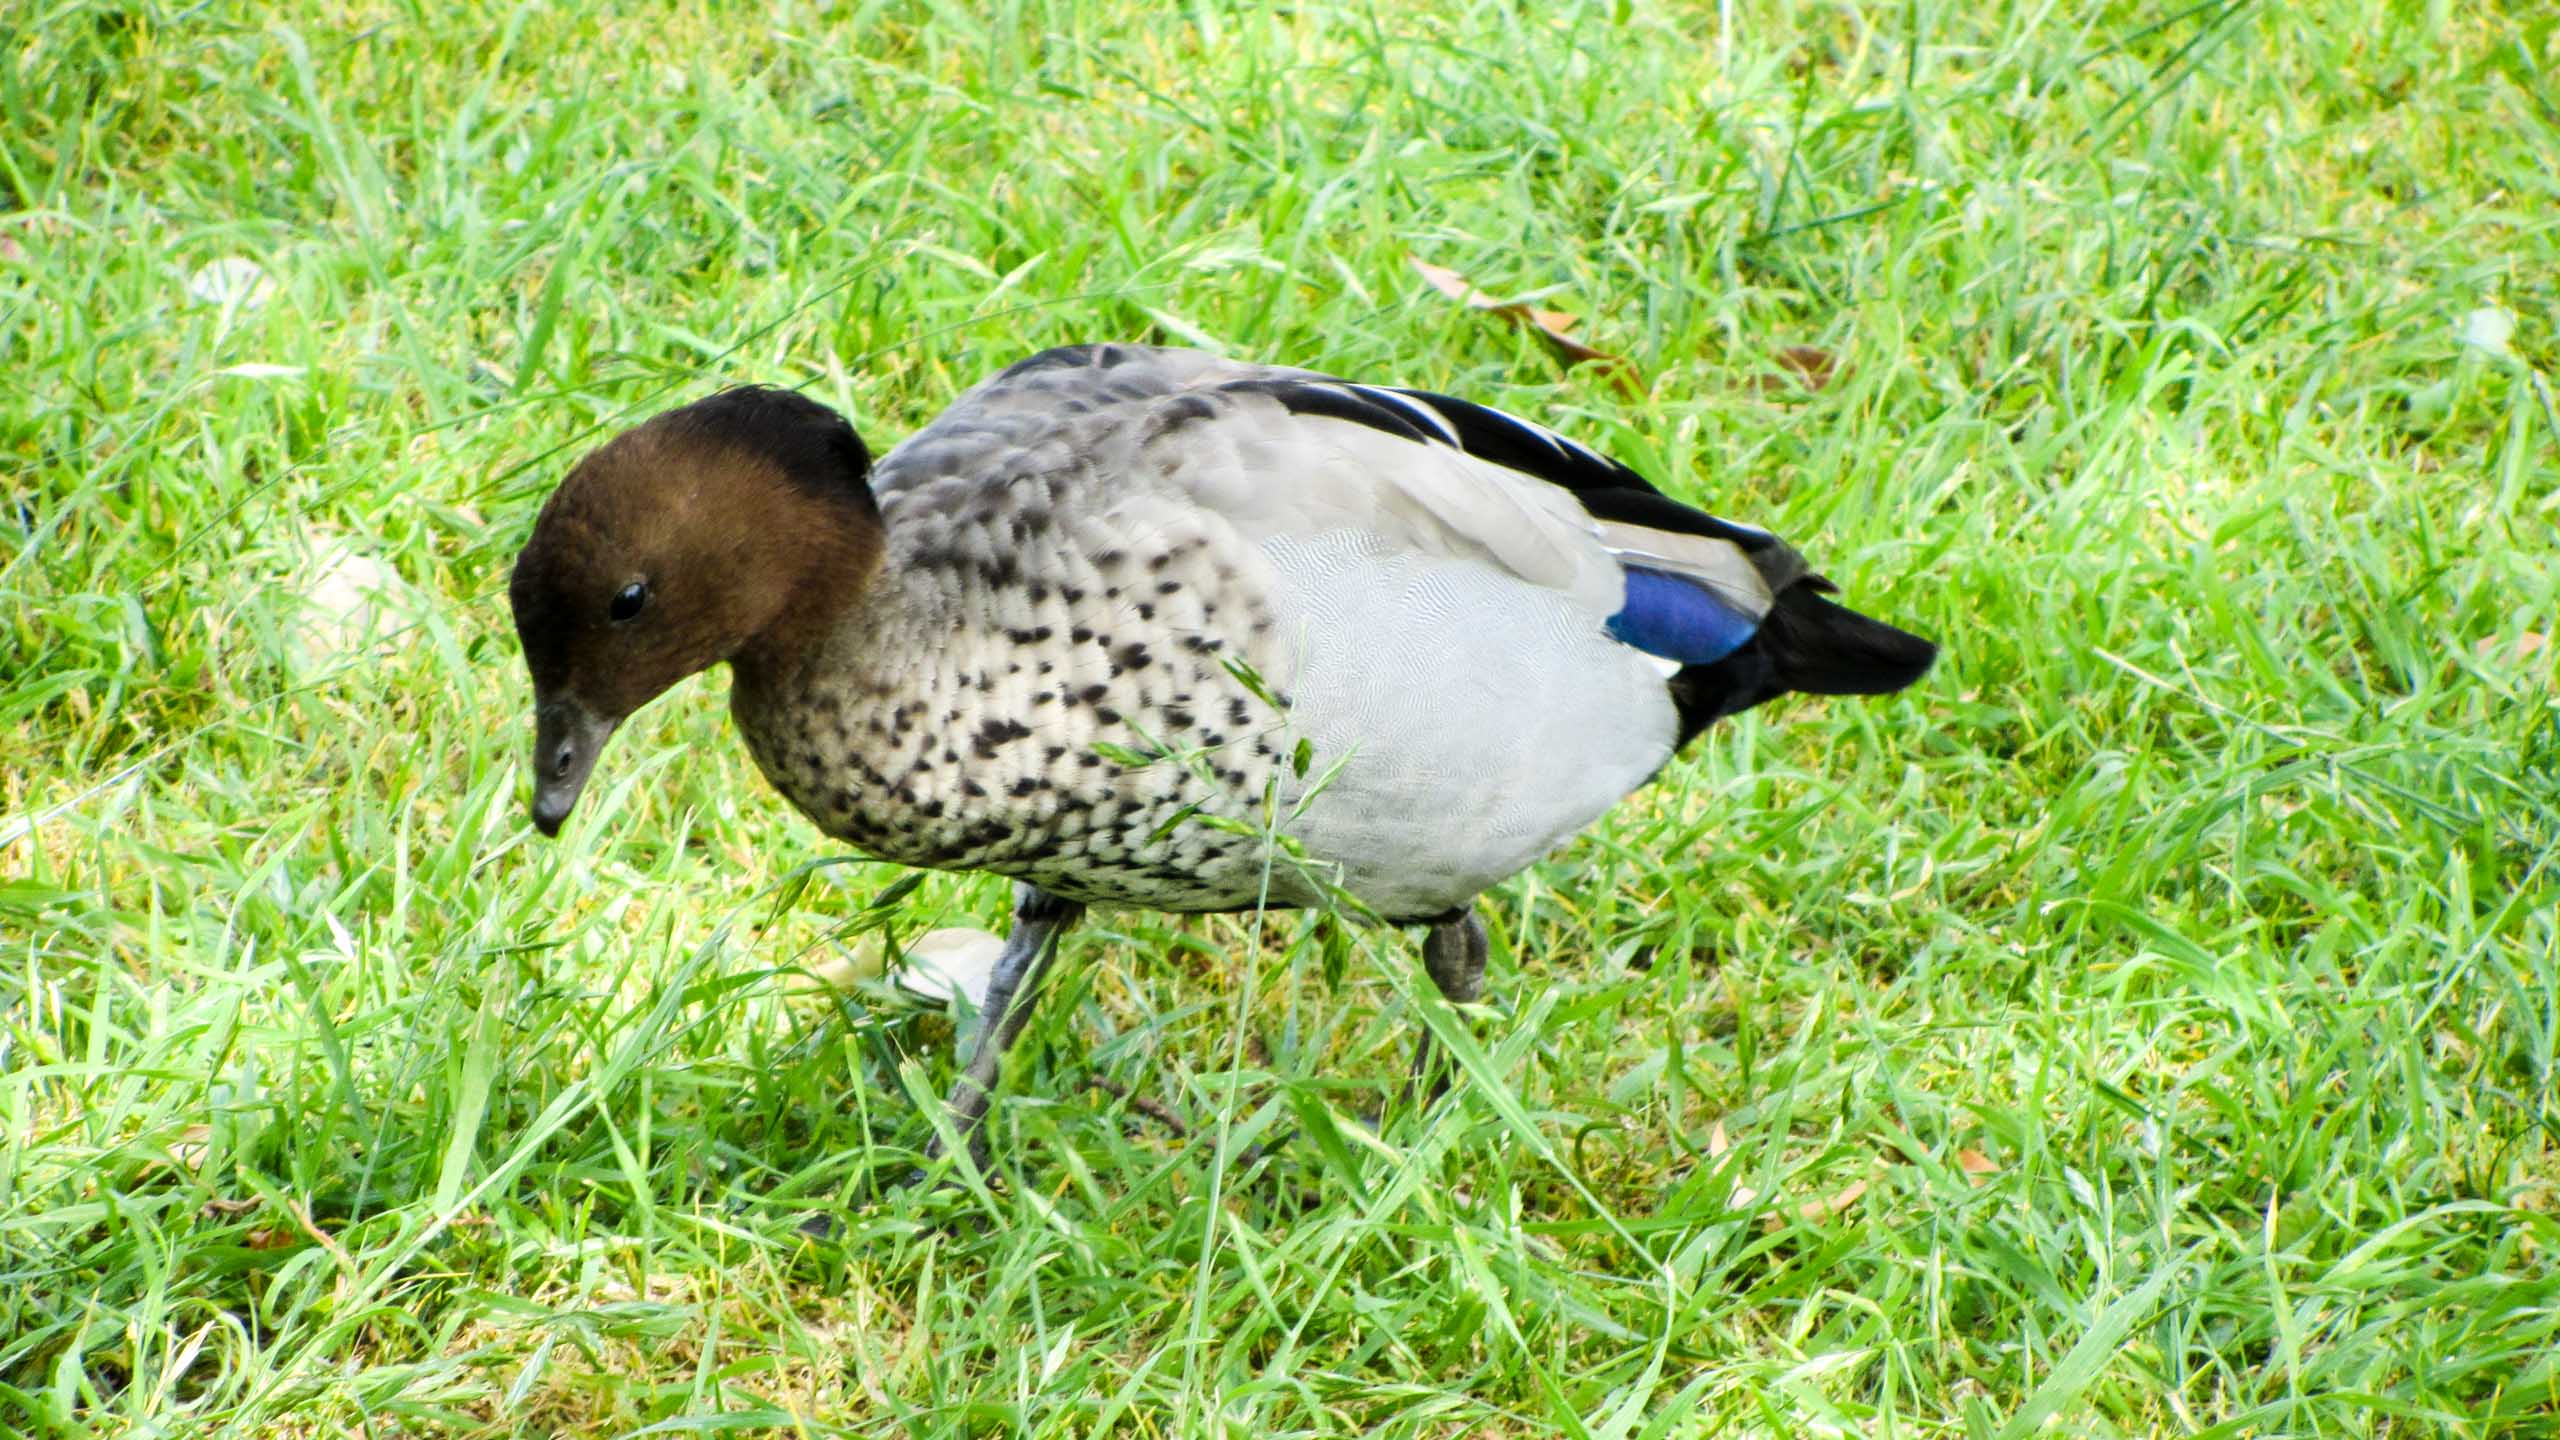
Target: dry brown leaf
2526	646
1977	1166
1456	286
1717	1141
1814	1212
1553	326
1808	368
1810	364
272	1237
186	1150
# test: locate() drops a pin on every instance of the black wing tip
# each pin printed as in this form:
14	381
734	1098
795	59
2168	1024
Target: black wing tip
1807	645
1821	647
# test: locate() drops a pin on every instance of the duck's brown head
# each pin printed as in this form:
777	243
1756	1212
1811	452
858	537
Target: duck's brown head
737	526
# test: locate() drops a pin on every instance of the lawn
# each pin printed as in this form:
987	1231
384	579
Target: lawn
2146	1025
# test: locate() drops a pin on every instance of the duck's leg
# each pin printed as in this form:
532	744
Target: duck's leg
1039	919
1454	951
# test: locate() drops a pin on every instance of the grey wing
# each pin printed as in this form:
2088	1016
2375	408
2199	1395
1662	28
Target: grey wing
1278	451
1031	416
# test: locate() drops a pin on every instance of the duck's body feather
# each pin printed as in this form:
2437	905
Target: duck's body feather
1099	548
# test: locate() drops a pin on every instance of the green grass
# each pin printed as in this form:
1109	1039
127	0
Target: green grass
2202	900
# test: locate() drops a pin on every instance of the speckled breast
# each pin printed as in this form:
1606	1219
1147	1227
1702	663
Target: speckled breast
986	710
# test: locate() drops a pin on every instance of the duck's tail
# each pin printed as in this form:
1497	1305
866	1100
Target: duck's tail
1807	643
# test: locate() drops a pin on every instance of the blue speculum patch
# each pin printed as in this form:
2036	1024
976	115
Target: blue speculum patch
1679	619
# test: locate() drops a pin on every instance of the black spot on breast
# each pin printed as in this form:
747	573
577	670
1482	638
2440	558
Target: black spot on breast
1168	587
996	734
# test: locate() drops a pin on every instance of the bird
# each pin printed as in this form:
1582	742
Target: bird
1150	627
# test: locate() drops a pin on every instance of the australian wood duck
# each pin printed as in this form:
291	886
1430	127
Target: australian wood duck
1122	615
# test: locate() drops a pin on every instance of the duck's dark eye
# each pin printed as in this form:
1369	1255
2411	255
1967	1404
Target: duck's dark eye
628	602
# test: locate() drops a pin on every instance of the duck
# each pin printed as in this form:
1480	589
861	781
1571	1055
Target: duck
1149	627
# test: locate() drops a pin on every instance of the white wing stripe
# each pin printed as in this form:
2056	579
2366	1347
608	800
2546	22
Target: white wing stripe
1414	408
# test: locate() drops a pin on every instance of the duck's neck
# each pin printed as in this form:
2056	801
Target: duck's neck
839	719
840	590
861	639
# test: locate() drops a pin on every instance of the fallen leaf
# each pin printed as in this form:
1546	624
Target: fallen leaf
1808	368
272	1237
1456	286
1817	1211
1553	326
2526	646
1976	1165
1809	363
2487	330
234	280
957	959
343	594
1718	1142
186	1149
